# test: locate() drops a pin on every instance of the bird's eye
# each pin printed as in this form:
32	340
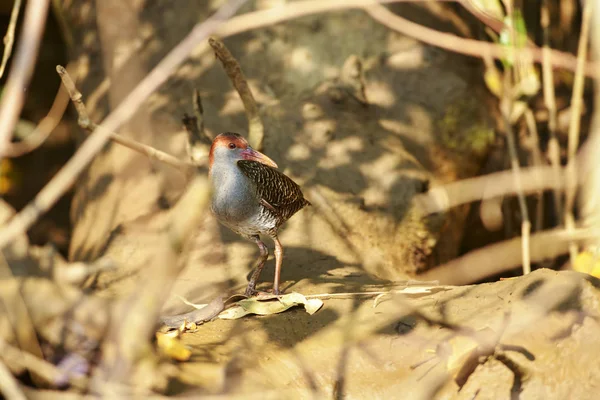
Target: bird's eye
232	146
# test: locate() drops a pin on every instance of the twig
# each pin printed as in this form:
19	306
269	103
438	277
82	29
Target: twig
235	74
550	101
9	38
86	123
21	70
44	128
48	196
574	126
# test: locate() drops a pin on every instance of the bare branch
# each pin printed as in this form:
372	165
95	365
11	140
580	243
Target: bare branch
9	38
86	123
21	70
235	74
48	196
470	47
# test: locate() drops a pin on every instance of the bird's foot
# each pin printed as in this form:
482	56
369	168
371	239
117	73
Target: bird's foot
250	291
269	294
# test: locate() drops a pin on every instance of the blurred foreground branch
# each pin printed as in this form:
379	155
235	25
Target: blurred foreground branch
126	349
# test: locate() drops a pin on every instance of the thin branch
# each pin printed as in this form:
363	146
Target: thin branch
235	74
550	101
50	194
44	128
86	123
574	126
474	48
471	47
21	70
9	38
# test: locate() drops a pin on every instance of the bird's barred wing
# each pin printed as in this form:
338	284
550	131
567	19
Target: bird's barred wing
280	193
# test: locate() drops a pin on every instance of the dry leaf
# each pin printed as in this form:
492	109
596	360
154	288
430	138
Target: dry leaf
170	345
271	306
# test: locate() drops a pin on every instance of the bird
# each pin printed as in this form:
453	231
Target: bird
251	197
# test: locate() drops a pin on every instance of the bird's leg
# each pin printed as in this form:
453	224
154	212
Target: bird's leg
264	254
278	261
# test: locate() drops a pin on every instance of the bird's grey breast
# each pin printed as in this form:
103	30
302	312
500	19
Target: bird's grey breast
234	196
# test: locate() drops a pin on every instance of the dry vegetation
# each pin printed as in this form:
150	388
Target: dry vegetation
450	151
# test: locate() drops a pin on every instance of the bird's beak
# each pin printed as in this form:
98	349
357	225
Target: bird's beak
251	154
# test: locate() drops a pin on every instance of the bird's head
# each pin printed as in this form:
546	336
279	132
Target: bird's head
228	148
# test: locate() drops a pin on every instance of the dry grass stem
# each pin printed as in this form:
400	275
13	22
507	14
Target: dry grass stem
506	107
13	95
550	102
538	161
9	38
575	124
50	194
235	74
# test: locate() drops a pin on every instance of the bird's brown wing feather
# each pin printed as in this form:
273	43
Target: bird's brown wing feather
281	194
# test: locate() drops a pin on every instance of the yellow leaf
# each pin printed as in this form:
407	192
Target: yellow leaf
170	345
587	262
